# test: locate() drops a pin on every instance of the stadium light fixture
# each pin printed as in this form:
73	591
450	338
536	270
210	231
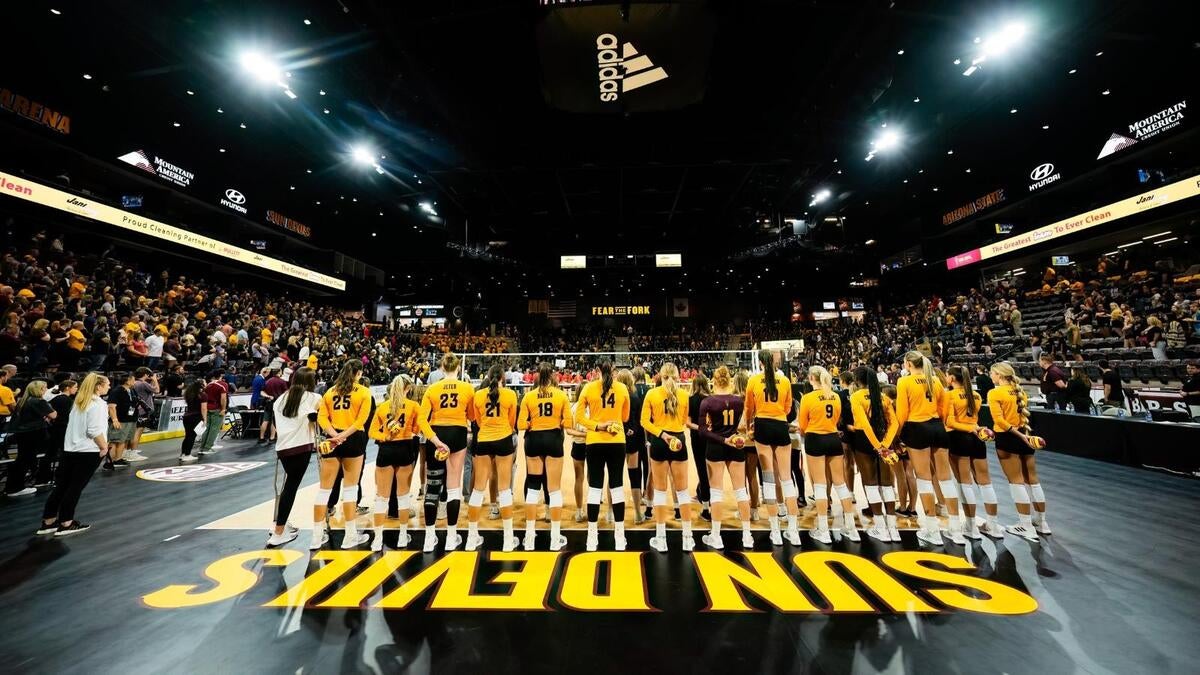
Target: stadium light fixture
820	196
997	44
259	67
362	155
884	142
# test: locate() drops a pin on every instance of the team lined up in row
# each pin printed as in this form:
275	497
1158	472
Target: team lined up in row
936	426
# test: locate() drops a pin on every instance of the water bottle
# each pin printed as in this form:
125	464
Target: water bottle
1149	417
1121	412
1070	407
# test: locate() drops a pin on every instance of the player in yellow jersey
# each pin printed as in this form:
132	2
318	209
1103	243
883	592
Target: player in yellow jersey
603	410
918	412
496	413
968	452
342	417
768	402
665	419
820	411
393	428
447	406
544	414
875	428
1009	405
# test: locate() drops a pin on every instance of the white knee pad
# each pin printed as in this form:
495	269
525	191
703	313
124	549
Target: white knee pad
968	493
924	487
820	491
617	494
768	492
789	489
741	495
949	491
532	497
1035	491
660	498
842	491
683	497
987	493
476	498
555	499
888	492
322	497
504	497
404	502
595	495
1019	495
454	494
350	494
381	504
873	496
716	495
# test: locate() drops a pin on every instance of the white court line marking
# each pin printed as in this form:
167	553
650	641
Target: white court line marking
170	538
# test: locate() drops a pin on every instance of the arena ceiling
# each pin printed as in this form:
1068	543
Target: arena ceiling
483	125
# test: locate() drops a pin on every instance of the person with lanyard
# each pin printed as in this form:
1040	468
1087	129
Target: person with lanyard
544	416
665	418
342	417
446	408
122	413
86	443
394	427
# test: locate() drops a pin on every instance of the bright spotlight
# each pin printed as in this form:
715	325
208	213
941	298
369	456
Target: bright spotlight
1004	39
259	67
886	141
362	154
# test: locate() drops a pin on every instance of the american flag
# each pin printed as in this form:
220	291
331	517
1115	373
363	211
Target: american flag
563	309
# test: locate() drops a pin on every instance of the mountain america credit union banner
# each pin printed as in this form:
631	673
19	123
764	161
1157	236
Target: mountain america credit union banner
31	191
595	61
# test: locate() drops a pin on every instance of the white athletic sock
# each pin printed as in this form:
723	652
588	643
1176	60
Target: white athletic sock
529	526
1026	519
351	529
660	529
822	522
592	527
687	528
716	527
791	521
848	521
508	527
745	526
619	529
472	529
555	529
880	521
774	520
891	520
451	531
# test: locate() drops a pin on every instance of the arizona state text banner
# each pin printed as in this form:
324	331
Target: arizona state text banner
594	60
37	193
1168	194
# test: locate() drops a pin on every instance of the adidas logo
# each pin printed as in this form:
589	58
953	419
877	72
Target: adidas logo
139	159
623	71
1115	143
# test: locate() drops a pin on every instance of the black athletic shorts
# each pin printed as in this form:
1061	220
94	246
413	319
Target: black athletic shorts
354	446
501	447
454	437
822	445
967	444
924	435
544	443
720	452
1008	442
578	451
771	432
397	453
635	441
661	452
858	442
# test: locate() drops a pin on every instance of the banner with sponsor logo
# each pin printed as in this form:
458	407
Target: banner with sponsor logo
1167	119
615	59
157	166
620	310
34	111
31	191
276	218
971	208
234	200
1153	199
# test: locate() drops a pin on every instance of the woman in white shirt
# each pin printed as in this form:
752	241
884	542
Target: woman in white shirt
296	428
86	443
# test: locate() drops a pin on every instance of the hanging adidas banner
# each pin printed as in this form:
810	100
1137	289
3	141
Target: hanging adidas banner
654	57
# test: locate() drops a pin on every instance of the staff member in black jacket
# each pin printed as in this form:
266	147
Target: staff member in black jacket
29	424
61	403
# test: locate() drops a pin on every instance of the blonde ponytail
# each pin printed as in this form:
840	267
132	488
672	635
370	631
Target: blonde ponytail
87	390
926	366
396	393
823	378
669	375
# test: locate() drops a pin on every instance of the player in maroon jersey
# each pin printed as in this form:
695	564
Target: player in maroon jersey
720	415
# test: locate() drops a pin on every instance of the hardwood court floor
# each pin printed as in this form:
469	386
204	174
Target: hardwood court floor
1115	587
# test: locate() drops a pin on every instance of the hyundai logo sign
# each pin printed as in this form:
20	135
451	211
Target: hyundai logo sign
234	200
1042	171
1042	175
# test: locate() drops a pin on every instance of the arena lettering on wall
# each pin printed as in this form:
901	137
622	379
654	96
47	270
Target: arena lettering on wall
37	193
1168	194
621	310
971	208
816	582
34	111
